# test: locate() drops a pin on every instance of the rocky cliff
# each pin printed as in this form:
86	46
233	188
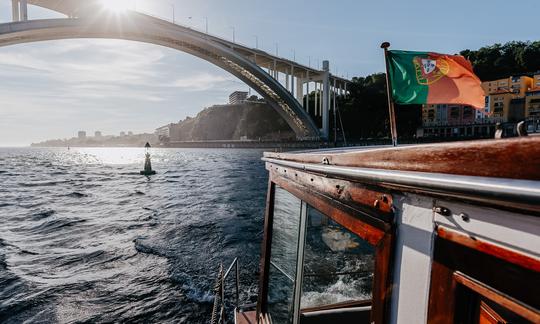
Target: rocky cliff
233	122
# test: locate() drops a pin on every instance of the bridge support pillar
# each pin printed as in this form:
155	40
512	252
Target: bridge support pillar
300	91
15	10
326	101
24	10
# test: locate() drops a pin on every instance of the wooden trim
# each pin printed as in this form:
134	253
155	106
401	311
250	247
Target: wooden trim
335	210
498	297
486	310
347	304
442	293
349	193
491	270
264	266
512	256
489	158
382	283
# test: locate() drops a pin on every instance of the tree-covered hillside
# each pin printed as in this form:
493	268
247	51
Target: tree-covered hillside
500	61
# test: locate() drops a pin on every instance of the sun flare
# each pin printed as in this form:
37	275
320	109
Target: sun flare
116	6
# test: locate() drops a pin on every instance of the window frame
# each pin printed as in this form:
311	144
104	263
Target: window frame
457	275
371	220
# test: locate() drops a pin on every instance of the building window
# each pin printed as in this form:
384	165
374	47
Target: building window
454	112
467	112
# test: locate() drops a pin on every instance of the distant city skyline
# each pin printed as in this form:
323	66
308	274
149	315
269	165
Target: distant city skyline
54	89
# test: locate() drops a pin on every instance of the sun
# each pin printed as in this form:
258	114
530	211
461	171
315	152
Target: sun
116	6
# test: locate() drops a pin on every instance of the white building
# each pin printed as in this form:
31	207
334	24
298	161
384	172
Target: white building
238	97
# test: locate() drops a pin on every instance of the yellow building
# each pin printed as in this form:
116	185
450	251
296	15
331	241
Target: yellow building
500	104
505	91
532	103
515	84
536	80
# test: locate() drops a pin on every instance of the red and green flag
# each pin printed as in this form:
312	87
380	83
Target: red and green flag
432	78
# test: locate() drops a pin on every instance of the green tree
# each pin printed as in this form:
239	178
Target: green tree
502	60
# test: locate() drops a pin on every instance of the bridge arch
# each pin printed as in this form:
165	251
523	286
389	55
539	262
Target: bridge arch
142	28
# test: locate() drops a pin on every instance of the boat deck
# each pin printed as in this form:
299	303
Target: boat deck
249	317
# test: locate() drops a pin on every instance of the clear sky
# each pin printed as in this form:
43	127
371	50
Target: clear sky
53	89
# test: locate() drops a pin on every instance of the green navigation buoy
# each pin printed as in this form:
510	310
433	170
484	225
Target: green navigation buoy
147	163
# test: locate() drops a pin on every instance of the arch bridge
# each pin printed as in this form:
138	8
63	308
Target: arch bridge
282	82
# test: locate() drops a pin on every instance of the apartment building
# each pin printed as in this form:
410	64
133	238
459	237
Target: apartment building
508	101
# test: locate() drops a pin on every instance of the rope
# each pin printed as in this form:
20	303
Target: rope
218	288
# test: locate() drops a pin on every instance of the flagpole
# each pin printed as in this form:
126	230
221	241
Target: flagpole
391	111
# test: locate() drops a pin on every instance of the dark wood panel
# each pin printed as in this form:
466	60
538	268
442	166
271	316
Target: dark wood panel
382	286
515	158
521	259
498	297
441	295
508	278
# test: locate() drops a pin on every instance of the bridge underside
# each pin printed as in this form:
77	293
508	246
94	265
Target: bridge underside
139	27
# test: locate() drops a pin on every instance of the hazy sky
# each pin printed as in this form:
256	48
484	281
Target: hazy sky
53	89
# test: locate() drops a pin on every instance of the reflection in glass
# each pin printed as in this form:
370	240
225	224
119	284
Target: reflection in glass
338	265
284	256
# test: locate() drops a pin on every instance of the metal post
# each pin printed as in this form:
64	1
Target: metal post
15	10
256	41
24	10
316	98
391	111
335	121
326	100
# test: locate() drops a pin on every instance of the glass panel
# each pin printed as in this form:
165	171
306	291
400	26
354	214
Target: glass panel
338	265
284	256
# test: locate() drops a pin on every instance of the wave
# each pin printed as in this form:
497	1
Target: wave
76	194
41	183
141	247
54	225
43	214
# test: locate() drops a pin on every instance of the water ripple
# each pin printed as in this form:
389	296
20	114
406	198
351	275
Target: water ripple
85	239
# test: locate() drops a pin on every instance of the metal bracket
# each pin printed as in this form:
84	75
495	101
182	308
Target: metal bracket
442	211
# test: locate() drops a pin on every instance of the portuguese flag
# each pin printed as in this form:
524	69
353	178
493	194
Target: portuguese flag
432	78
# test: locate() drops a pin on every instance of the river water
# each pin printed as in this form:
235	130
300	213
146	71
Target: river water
85	238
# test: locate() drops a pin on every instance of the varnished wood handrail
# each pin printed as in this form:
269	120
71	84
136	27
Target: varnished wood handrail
515	158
